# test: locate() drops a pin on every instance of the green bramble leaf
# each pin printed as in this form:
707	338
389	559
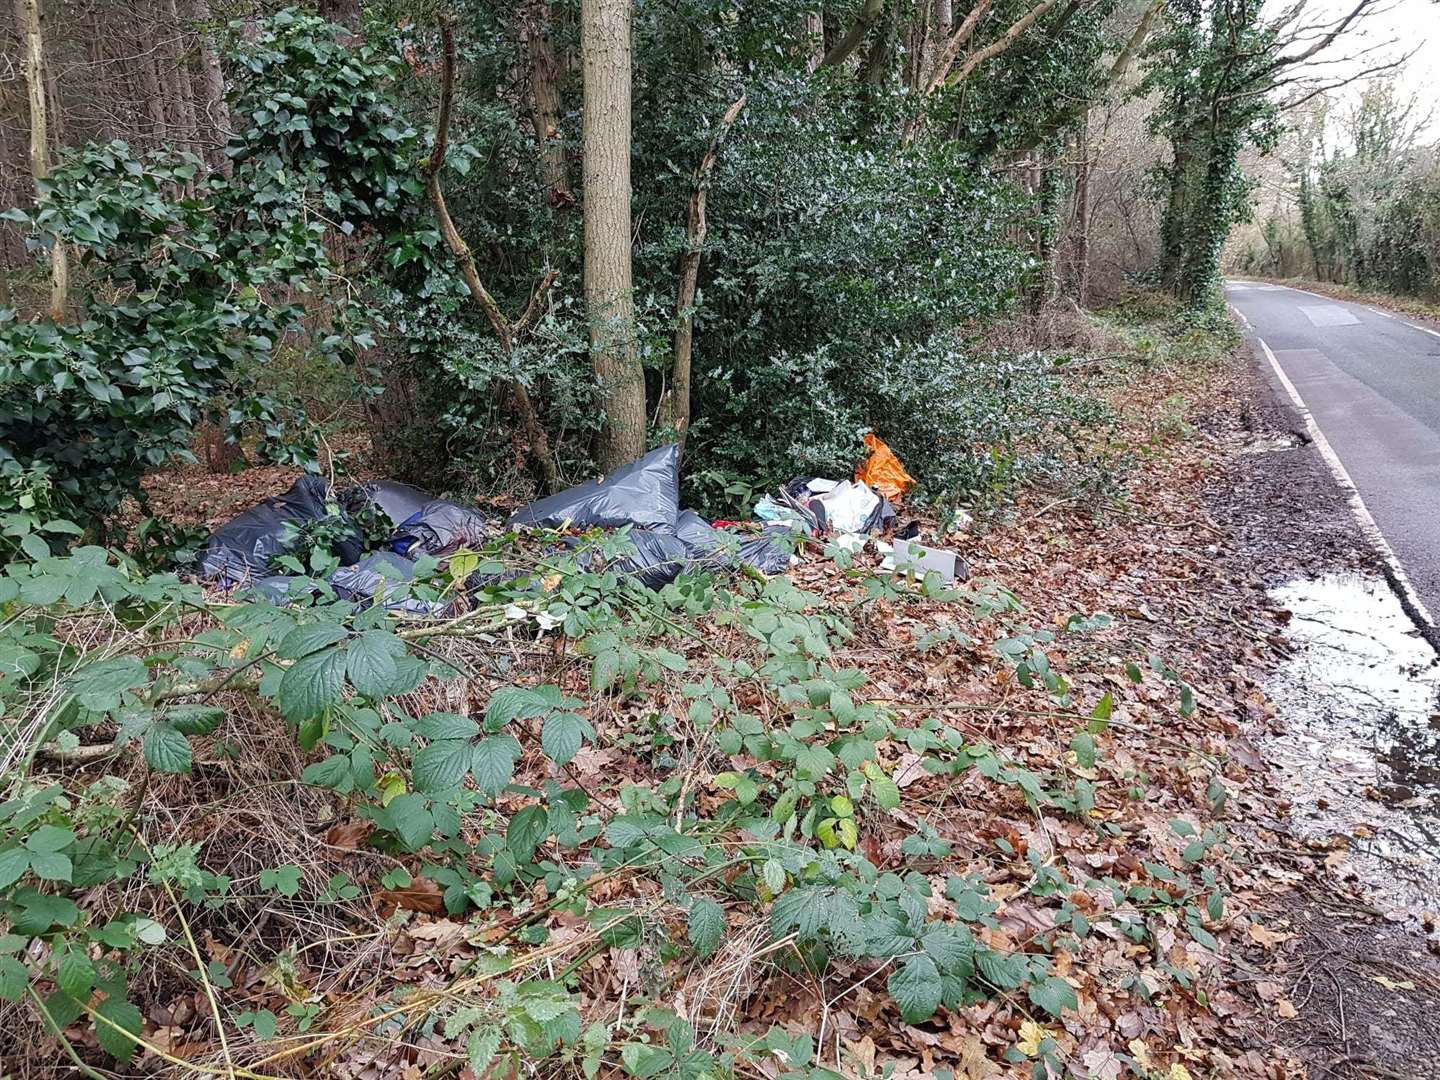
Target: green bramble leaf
917	988
705	925
166	750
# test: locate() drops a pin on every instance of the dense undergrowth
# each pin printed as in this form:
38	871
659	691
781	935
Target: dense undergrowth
237	838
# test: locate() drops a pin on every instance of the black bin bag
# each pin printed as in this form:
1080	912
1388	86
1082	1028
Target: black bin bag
395	500
242	548
440	528
645	493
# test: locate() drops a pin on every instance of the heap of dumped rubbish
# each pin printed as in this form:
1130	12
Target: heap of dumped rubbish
643	497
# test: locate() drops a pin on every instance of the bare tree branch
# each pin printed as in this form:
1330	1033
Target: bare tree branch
465	261
871	12
1000	44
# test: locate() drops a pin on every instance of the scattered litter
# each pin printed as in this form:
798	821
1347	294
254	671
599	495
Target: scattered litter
908	557
882	470
642	498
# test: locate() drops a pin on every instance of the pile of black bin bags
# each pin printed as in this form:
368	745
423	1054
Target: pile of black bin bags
644	495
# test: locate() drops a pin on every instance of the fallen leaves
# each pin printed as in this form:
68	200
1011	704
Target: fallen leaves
421	895
1262	935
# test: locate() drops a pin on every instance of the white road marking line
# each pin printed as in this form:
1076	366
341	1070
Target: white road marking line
1239	315
1423	329
1357	505
1377	311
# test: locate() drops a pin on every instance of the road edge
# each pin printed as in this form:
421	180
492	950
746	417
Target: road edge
1293	403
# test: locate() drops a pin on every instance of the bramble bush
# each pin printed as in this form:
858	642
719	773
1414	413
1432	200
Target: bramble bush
742	813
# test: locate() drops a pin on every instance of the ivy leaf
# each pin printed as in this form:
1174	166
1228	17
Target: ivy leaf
1053	995
705	925
917	988
441	765
372	663
166	750
312	684
492	762
563	734
126	1017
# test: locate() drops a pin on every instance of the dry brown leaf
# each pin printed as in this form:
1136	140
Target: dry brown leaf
422	894
1267	937
349	835
1285	1009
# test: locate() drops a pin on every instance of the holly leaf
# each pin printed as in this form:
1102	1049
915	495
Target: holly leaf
917	988
705	925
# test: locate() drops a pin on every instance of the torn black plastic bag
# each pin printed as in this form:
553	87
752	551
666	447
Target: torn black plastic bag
242	548
771	551
376	576
645	493
658	557
706	545
398	502
440	528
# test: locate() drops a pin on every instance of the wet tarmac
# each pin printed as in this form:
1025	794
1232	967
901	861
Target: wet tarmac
1359	751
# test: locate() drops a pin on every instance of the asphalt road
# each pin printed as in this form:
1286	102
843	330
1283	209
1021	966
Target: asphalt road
1370	381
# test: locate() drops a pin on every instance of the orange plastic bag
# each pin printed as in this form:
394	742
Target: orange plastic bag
882	470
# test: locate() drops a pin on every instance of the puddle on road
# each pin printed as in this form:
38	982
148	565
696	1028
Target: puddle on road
1360	752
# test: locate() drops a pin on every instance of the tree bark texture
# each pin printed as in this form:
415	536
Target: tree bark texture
609	294
217	112
31	20
545	104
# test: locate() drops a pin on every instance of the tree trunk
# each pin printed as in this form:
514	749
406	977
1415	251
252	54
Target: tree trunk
545	105
1082	213
609	296
30	21
815	35
144	49
188	137
217	112
344	13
